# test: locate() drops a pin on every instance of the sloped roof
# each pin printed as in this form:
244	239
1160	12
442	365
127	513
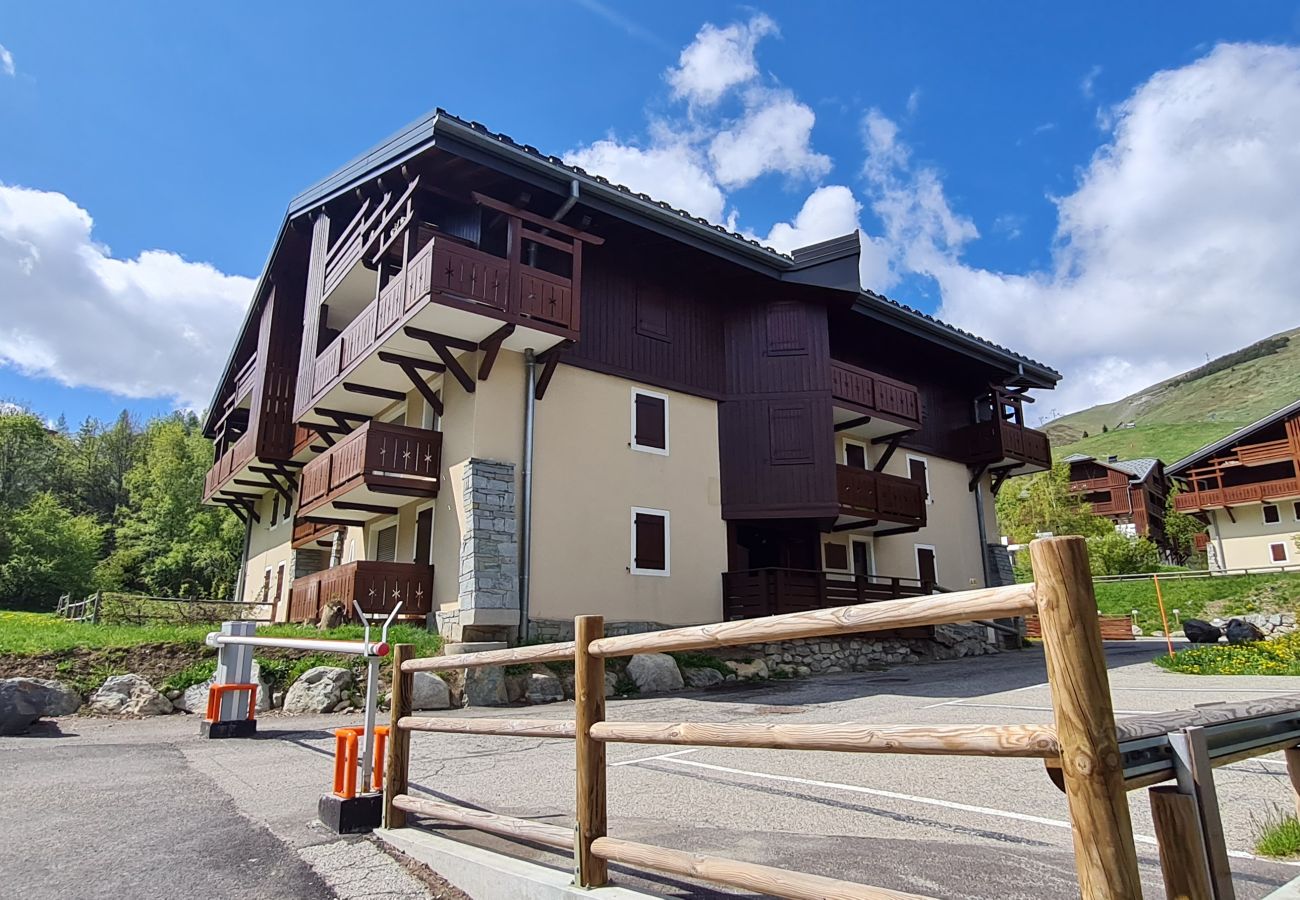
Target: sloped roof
1138	468
1240	434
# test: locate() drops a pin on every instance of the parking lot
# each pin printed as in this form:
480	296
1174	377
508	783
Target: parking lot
946	827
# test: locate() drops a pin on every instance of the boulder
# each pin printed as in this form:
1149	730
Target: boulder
746	670
332	615
611	684
127	695
24	700
485	686
194	699
1199	631
428	691
703	678
543	687
655	672
317	690
1240	632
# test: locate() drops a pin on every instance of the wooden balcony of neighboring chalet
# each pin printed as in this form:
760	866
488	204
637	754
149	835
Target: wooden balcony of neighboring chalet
871	405
751	593
370	472
1003	445
1194	499
376	586
868	498
424	296
1109	482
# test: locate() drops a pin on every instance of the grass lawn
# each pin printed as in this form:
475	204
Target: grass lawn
1280	656
1223	596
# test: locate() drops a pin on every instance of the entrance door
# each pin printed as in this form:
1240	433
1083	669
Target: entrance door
855	455
926	569
862	564
424	536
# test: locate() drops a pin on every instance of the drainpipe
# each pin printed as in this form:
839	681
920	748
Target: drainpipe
526	490
560	213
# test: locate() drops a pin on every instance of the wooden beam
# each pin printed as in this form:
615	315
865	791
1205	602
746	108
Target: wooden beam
491	346
1181	844
433	337
400	359
365	507
1104	853
243	495
589	711
852	526
975	478
852	423
417	381
890	532
397	770
326	520
889	452
507	826
273	476
338	416
543	728
550	359
442	347
999	477
535	219
535	653
369	391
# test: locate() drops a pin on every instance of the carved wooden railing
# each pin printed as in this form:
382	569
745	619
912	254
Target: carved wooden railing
378	454
875	495
750	593
237	455
1278	489
376	586
875	393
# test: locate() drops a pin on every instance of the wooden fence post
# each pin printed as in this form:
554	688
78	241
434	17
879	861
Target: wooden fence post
94	611
589	708
1104	854
1182	845
396	771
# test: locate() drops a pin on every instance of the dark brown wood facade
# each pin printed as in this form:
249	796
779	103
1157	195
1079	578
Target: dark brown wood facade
1122	497
376	586
1262	467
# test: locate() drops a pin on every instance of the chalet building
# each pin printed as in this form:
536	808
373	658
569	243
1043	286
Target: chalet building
1247	487
1132	493
470	359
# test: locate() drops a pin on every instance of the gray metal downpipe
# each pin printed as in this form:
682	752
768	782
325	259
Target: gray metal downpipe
526	491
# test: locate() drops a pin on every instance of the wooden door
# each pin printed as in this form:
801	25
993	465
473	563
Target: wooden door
855	455
424	536
926	569
861	558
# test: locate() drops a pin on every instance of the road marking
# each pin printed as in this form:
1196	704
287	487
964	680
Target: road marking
912	798
675	753
960	700
1125	712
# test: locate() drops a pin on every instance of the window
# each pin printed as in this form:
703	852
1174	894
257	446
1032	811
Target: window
855	454
1272	515
864	562
1277	553
836	556
423	552
650	553
649	422
919	470
386	544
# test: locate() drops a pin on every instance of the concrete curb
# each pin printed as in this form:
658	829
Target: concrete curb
1288	891
482	873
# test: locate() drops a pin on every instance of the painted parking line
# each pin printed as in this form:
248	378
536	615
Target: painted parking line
674	754
673	759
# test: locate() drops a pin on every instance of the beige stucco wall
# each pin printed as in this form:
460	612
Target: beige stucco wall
951	524
588	479
267	548
1246	542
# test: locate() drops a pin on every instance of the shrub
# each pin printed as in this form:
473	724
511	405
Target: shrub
1279	835
1280	656
1115	554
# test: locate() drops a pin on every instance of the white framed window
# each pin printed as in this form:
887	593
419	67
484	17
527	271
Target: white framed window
1272	515
918	469
1279	553
651	542
855	454
383	540
649	422
862	556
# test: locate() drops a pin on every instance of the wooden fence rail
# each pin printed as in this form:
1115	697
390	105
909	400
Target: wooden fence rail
1082	747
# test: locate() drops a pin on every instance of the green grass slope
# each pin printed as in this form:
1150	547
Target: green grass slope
1174	417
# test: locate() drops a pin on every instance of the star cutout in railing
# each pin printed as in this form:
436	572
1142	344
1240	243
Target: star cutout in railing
419	591
397	593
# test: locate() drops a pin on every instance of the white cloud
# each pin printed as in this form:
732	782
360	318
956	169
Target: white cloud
718	60
672	173
6	61
830	212
1178	241
1088	82
153	326
774	135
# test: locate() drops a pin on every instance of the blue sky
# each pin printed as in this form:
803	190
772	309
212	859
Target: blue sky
1008	165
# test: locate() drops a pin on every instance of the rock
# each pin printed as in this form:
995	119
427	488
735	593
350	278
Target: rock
194	699
755	669
1137	632
655	672
611	684
172	695
317	690
428	691
703	678
1240	632
277	699
485	686
543	687
342	706
24	700
332	615
516	687
127	695
1198	631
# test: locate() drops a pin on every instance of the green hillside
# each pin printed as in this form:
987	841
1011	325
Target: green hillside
1173	418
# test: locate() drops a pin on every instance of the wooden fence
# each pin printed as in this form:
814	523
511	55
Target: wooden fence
86	610
1082	750
119	608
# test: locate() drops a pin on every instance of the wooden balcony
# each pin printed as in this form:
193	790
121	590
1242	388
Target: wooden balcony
313	535
1106	483
1003	445
872	405
377	586
236	458
751	593
1265	453
356	479
1238	495
877	497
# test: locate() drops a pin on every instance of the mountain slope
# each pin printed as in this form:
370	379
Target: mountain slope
1174	417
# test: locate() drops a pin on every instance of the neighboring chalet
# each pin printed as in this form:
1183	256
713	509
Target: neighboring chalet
470	359
1247	487
1132	493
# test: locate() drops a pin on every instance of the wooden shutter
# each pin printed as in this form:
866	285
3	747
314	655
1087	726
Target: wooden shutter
836	556
787	328
651	313
916	470
1277	552
279	581
651	542
424	536
386	544
790	434
855	455
651	422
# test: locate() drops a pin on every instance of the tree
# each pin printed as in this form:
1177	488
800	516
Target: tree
1180	530
1044	503
46	551
28	453
1119	554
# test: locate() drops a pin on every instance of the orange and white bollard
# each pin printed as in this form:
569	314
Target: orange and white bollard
227	714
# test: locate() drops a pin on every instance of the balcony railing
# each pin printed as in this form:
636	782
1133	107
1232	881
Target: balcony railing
1262	454
379	457
875	395
1104	483
376	586
1001	442
875	495
751	593
237	455
306	533
1280	489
